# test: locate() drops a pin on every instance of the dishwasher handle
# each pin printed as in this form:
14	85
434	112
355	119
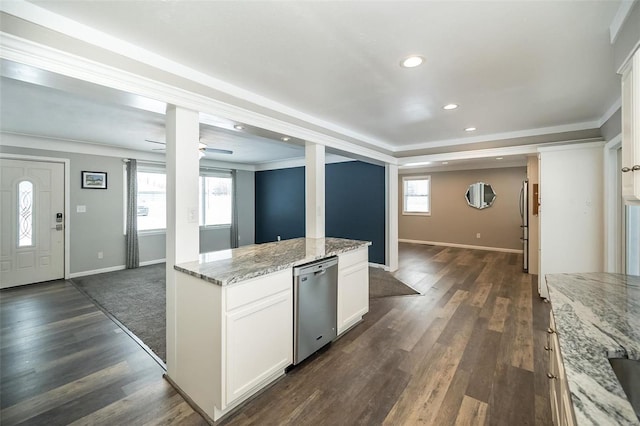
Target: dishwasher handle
315	267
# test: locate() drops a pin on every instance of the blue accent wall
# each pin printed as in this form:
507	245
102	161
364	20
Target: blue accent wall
355	204
279	204
354	198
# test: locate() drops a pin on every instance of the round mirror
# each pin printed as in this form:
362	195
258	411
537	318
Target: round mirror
480	195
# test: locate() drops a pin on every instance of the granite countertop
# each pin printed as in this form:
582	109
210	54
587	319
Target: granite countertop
597	317
226	267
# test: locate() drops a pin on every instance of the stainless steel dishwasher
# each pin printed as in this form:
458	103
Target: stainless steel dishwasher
315	300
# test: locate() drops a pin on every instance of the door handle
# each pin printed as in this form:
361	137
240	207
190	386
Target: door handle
58	227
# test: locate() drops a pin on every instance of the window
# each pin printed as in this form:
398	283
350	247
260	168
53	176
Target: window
215	191
25	214
416	195
152	200
215	199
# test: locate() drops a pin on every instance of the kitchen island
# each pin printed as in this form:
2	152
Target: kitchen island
234	315
595	316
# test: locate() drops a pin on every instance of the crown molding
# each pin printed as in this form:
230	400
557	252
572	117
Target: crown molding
61	24
586	145
299	162
620	18
22	140
500	136
488	164
609	113
29	53
489	152
19	140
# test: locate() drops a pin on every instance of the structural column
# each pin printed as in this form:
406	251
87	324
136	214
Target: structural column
183	239
392	217
314	190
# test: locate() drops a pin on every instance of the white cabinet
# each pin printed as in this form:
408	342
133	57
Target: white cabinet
353	287
631	131
561	405
231	341
259	333
571	210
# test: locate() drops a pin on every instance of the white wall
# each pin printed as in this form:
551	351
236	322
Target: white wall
101	228
571	210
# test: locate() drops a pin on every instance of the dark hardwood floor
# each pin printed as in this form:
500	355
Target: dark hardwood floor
467	351
63	361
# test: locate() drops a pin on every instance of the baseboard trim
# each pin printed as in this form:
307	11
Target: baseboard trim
97	271
379	266
467	246
112	269
152	262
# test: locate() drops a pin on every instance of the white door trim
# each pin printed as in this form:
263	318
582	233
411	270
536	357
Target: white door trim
67	202
612	214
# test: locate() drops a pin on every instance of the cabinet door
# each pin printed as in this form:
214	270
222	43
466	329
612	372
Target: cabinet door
561	405
258	343
553	373
353	294
631	131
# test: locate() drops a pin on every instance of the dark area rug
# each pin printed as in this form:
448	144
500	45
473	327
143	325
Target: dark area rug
136	298
383	284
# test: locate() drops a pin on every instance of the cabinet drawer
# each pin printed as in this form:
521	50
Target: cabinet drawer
249	291
353	257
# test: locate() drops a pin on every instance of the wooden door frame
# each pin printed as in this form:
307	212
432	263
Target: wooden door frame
67	203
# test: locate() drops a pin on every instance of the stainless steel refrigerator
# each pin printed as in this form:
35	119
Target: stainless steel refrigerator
524	215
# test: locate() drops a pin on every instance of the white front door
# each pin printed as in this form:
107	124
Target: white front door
31	222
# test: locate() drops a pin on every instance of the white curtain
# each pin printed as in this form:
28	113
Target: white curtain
132	253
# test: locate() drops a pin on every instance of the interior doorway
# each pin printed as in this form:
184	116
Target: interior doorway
32	221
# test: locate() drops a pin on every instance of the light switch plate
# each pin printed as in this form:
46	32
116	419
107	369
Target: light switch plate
192	215
81	209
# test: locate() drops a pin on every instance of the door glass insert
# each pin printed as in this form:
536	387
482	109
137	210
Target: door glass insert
25	214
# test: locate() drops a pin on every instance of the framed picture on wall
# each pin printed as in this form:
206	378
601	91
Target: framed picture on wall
94	180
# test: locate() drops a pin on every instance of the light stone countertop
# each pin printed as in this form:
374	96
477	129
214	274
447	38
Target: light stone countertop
597	317
226	267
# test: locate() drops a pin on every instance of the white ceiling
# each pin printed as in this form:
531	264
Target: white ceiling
513	66
93	115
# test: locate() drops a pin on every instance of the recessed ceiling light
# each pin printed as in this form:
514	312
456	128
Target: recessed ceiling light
238	127
499	158
423	163
470	129
412	61
445	162
450	106
285	138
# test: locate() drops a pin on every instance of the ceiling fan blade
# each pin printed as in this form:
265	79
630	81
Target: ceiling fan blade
203	148
218	151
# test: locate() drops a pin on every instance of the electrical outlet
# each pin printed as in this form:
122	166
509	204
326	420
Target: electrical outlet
278	237
478	235
100	255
